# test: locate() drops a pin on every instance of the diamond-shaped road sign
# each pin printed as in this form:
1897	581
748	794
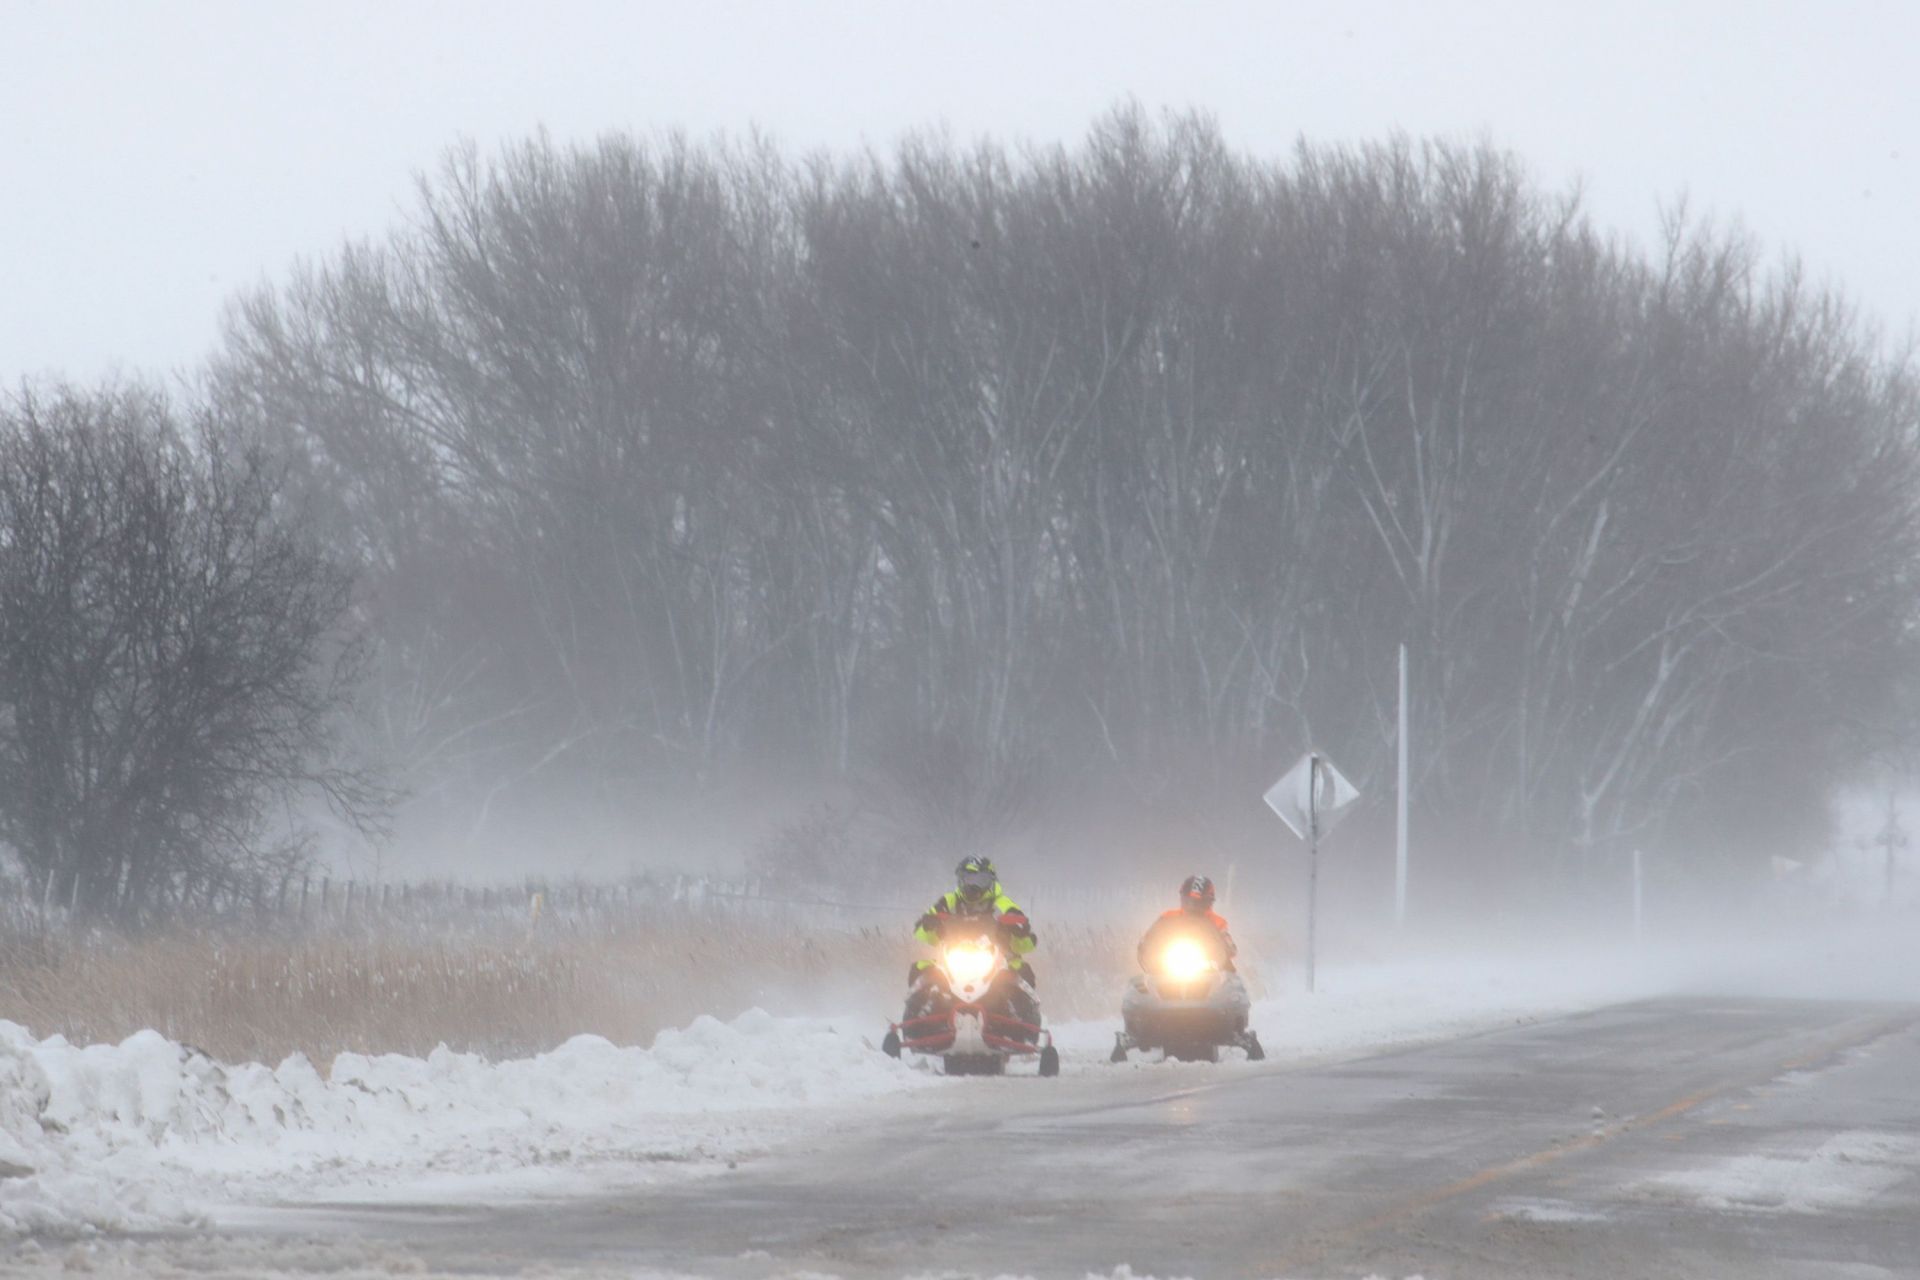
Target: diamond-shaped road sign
1311	796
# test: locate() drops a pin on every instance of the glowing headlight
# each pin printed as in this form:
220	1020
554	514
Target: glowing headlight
1184	959
969	964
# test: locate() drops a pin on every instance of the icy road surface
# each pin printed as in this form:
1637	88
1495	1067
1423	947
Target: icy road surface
1674	1138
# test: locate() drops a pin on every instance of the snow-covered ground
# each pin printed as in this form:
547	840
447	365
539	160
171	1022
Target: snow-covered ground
1846	1171
228	1259
149	1133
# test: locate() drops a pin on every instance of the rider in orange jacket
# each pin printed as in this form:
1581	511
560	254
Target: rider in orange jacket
1194	916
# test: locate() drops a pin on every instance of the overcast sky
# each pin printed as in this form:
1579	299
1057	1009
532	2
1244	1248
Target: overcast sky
155	157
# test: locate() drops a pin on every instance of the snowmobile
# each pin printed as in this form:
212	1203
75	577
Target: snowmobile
964	1012
1187	1003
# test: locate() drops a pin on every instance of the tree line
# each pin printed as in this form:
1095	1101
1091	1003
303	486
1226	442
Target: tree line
972	476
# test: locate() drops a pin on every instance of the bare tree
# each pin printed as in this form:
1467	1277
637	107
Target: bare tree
174	660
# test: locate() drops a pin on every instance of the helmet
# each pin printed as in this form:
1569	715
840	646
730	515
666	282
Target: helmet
1196	894
977	879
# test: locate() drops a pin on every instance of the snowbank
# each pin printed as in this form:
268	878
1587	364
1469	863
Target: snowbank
144	1132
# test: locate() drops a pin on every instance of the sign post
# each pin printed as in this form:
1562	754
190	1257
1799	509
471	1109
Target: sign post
1312	866
1310	798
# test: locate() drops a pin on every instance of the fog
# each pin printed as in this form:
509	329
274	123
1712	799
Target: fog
157	160
529	550
686	506
850	481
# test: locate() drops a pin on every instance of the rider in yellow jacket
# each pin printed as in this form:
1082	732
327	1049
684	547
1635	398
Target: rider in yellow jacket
977	902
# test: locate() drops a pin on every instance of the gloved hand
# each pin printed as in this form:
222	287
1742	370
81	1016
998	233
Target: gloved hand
1016	925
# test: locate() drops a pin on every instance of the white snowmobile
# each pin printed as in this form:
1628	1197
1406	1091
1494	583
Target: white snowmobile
964	1010
1187	1002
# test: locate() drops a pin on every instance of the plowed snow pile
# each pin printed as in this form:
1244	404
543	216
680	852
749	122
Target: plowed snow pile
140	1133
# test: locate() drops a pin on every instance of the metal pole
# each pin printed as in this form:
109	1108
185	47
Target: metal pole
1400	837
1892	838
1313	862
1639	915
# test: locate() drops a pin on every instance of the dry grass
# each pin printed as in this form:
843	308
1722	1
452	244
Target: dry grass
261	998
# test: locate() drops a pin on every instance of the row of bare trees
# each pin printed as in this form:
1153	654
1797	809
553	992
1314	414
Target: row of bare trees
988	472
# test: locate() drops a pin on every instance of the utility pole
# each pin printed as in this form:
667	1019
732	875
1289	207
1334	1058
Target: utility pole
1400	836
1639	899
1893	838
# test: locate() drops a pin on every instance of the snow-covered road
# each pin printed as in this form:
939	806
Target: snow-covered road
1741	1138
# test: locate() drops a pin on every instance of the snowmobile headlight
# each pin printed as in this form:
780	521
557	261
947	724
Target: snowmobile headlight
1184	960
969	963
